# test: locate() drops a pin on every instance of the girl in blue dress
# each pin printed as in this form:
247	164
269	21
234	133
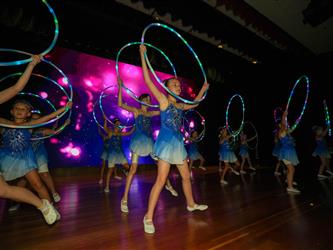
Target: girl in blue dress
115	153
244	152
227	154
141	143
17	156
169	146
18	193
288	153
193	151
322	151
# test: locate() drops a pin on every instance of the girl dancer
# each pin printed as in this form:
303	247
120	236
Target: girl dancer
115	154
226	154
141	142
288	153
169	147
20	194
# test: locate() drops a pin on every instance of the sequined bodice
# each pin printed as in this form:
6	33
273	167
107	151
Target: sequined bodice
115	143
143	124
172	118
16	140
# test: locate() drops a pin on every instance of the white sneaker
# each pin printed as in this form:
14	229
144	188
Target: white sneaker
106	190
148	226
100	182
14	208
203	168
252	168
242	172
171	190
56	197
321	176
123	206
197	207
329	172
49	212
234	171
117	177
293	190
223	182
277	173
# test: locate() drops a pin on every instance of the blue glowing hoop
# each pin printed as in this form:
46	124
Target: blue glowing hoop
234	133
293	127
55	38
130	92
192	51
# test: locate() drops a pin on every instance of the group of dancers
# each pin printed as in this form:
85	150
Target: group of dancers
21	158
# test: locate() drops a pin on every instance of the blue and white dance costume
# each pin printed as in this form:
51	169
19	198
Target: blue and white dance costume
321	149
287	151
226	153
142	140
16	156
244	150
169	145
115	153
104	155
193	151
40	152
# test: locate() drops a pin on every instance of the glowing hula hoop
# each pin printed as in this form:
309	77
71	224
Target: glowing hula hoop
203	123
130	92
293	127
192	51
101	96
55	38
70	96
327	119
234	133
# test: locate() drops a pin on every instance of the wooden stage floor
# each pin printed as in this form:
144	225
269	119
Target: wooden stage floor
253	212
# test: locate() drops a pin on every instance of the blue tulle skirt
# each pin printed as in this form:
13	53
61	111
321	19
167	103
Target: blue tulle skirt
16	165
116	157
141	144
321	151
227	155
169	147
243	151
289	154
104	155
193	152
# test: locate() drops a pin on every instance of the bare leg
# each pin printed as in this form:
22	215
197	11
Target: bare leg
18	194
225	170
102	172
129	179
290	175
48	180
163	169
37	185
108	176
187	188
